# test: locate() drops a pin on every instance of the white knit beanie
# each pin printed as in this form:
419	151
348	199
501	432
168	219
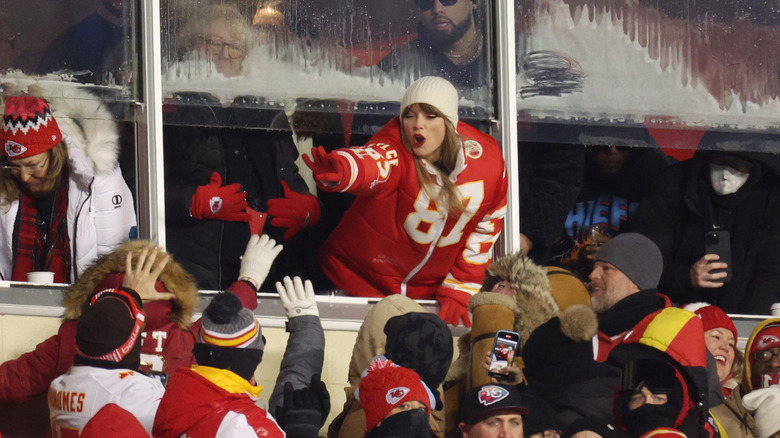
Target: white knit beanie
766	404
434	91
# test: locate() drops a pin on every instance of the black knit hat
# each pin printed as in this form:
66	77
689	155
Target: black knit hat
422	342
550	356
108	333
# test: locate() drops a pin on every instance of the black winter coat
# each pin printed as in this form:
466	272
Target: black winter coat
201	139
682	206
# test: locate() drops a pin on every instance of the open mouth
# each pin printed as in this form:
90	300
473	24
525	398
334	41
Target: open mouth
418	140
720	359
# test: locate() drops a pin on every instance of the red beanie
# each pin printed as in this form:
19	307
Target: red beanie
28	127
768	337
386	385
712	317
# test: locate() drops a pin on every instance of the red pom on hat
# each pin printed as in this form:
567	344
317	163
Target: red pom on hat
28	127
387	385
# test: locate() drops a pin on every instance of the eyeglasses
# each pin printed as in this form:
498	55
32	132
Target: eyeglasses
30	169
424	5
766	355
234	50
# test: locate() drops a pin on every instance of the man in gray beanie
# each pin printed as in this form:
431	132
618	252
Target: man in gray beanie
623	287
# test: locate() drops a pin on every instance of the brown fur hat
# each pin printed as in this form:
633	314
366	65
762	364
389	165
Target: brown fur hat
175	279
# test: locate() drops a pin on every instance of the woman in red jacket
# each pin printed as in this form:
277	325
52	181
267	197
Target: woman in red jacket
430	203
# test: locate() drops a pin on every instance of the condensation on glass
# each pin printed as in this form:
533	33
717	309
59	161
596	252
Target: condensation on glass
351	59
673	69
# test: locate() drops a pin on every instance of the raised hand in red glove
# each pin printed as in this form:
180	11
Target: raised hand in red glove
213	201
454	306
295	211
331	171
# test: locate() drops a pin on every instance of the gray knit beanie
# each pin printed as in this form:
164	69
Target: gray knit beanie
226	323
636	256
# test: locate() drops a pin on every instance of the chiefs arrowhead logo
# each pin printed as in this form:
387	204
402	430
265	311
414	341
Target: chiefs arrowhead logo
492	394
13	149
215	203
395	395
473	149
766	341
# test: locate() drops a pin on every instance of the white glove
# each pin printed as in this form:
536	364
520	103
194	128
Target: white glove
260	253
297	299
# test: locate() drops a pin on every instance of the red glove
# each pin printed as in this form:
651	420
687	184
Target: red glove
331	171
454	306
295	211
226	203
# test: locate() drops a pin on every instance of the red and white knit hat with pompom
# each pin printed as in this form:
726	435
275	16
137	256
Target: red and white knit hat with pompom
386	385
28	127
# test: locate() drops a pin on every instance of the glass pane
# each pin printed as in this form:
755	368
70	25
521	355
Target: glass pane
82	41
676	67
250	86
352	58
81	57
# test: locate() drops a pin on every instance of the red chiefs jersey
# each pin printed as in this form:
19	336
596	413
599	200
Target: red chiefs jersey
393	239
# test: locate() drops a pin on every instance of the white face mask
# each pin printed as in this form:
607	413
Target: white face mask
726	180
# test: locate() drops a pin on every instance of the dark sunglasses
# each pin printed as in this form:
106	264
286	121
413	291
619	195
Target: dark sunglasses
424	5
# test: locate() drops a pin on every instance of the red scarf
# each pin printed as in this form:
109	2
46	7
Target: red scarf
43	245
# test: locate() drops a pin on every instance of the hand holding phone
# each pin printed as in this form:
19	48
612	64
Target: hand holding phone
502	354
718	242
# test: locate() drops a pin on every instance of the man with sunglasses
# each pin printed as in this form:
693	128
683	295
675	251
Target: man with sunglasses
63	201
716	206
450	43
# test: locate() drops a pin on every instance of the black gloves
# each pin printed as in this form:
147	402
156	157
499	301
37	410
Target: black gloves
304	411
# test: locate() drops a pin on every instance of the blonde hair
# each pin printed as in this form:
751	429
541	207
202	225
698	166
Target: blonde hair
9	186
447	194
192	32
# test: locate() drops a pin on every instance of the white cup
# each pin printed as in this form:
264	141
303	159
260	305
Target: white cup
41	277
775	309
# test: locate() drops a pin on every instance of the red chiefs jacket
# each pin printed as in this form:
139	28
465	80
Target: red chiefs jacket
394	240
196	407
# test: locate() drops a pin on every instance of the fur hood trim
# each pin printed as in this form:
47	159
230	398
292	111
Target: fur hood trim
88	127
178	281
534	301
579	323
482	299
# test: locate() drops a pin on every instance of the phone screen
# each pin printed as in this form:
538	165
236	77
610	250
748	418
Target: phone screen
503	353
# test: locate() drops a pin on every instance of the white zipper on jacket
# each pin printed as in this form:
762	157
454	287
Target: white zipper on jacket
428	255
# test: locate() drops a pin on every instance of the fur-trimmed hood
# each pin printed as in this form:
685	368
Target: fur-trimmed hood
175	279
88	127
534	301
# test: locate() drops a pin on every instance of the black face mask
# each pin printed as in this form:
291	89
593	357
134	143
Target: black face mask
413	424
649	417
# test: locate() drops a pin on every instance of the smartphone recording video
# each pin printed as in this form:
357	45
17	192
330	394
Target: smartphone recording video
503	353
